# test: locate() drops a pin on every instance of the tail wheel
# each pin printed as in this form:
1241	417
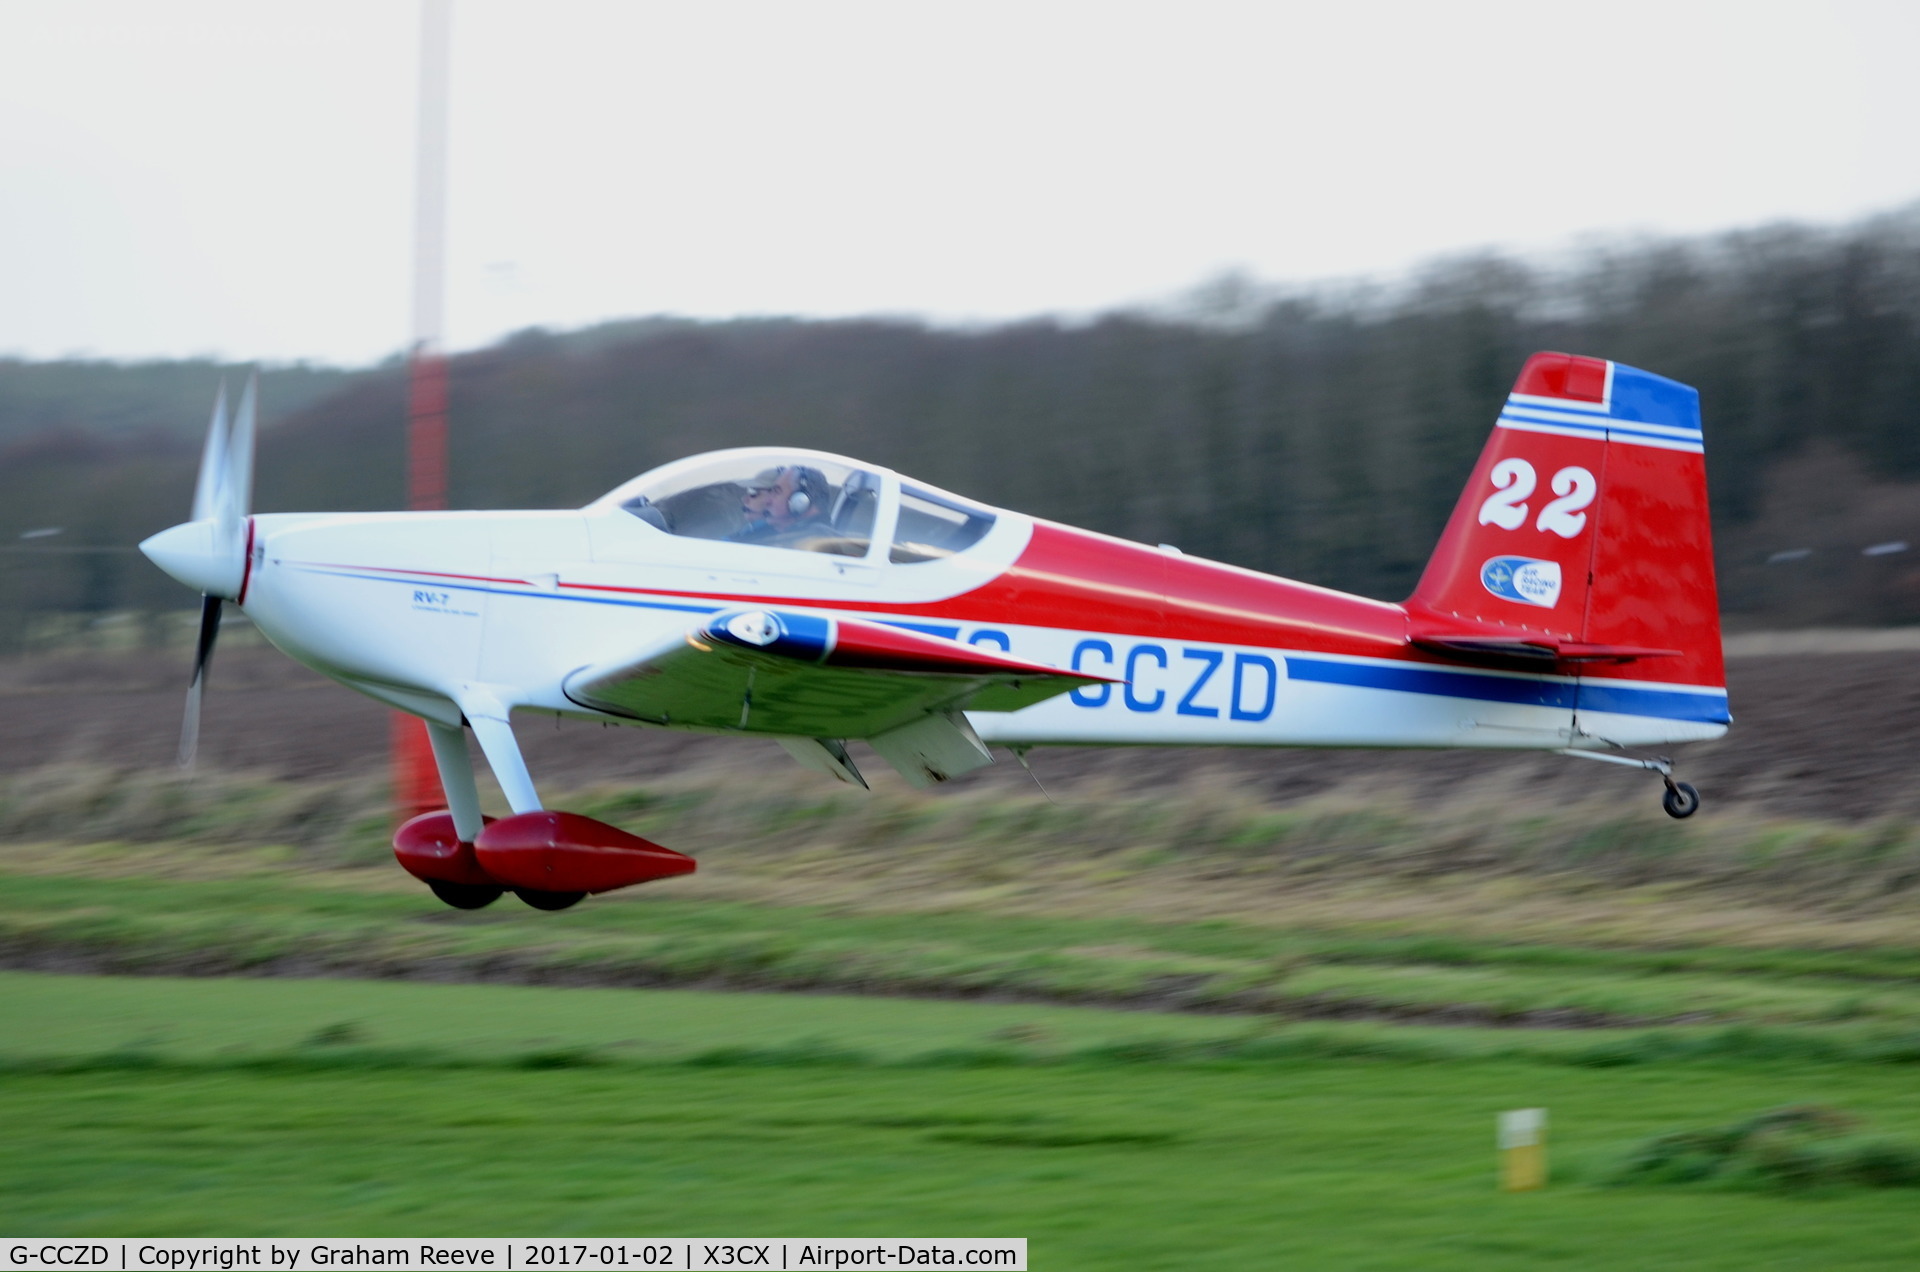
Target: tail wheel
548	900
1681	800
465	896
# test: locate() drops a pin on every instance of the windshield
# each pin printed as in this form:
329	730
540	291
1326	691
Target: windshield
935	526
809	505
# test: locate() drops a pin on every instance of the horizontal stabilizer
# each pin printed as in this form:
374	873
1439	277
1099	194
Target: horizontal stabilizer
1532	647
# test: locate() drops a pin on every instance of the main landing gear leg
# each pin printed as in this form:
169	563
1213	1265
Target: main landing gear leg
1680	799
437	848
493	728
550	860
456	778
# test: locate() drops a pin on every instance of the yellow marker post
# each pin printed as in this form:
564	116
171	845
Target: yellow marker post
1523	1149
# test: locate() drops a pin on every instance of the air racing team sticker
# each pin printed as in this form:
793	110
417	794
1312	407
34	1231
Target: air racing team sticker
1523	579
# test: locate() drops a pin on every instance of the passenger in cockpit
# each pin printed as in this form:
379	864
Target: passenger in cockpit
784	503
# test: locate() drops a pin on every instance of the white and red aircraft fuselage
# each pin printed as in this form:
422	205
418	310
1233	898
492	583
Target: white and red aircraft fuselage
815	599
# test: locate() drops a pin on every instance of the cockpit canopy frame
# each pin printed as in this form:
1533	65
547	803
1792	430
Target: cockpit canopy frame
804	501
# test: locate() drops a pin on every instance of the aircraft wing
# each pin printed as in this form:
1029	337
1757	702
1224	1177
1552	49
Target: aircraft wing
810	676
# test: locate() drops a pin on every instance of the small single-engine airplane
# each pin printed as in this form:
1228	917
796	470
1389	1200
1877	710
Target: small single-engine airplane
813	599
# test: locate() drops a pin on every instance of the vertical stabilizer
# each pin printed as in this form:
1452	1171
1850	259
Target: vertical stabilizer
1585	523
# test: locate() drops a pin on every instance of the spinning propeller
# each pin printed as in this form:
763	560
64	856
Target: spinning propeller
209	553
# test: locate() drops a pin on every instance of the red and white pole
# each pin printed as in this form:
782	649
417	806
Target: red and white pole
416	780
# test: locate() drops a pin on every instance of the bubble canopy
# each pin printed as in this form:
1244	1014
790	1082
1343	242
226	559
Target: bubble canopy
801	501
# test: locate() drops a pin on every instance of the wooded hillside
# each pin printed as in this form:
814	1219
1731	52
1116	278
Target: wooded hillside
1324	435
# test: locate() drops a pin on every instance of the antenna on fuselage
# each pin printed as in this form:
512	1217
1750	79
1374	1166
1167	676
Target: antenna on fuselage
1020	754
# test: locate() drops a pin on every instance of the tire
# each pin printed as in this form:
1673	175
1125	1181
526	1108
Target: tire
548	900
465	896
1681	800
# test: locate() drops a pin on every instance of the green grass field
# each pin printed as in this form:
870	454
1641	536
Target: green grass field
357	923
229	1021
216	1106
1135	1056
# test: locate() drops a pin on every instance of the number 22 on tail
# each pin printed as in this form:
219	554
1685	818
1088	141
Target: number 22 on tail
1514	481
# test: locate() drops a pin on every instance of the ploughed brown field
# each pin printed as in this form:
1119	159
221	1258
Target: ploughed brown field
1824	728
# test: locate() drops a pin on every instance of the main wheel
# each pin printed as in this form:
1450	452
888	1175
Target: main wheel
548	900
465	896
1681	800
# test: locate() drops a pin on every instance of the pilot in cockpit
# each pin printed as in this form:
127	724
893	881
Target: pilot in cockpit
781	503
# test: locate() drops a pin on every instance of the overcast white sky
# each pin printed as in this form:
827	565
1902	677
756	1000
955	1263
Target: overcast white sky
237	178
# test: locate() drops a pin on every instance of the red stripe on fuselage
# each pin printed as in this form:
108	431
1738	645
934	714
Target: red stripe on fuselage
1081	581
859	643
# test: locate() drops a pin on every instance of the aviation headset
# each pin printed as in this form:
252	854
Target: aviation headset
809	487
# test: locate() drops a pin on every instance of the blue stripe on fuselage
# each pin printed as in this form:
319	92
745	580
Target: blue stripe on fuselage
945	630
1429	680
1669	704
446	585
1705	706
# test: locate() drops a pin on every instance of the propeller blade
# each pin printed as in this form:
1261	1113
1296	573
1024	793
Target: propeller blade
238	487
213	461
203	654
223	493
